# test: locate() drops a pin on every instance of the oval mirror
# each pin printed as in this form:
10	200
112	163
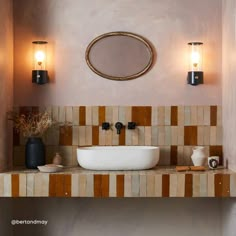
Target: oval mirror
119	55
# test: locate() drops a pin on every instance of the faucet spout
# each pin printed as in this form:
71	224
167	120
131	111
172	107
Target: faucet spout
119	126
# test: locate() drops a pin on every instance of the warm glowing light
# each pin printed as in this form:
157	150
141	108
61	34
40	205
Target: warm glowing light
40	57
195	57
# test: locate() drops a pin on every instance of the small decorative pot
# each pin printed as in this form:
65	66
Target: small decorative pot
34	153
57	160
199	157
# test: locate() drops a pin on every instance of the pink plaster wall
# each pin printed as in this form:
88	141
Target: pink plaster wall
69	26
6	81
229	82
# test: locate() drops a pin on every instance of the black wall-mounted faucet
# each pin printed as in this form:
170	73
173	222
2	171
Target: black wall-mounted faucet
132	125
119	126
106	126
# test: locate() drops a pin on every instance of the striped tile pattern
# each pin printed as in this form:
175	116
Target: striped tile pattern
160	182
175	129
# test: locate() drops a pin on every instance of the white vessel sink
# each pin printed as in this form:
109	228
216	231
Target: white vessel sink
118	157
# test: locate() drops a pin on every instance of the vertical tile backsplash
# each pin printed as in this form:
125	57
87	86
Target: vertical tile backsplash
175	129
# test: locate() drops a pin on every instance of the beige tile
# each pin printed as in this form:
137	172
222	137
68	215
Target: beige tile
108	138
211	185
69	115
143	185
75	185
115	114
128	114
232	185
180	115
219	135
148	135
128	137
62	114
115	138
75	137
135	137
108	114
180	185
75	111
74	156
154	135
158	185
102	137
66	153
206	135
128	185
161	115
200	115
167	115
200	135
187	115
95	118
154	116
180	155
164	156
203	185
219	115
141	136
196	185
135	185
150	185
188	151
161	135
174	135
88	135
194	115
180	135
167	135
82	134
112	185
89	185
7	185
55	113
122	115
1	185
30	185
82	185
52	137
213	135
88	118
206	115
173	185
41	185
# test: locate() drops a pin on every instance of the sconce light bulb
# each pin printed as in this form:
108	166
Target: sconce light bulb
195	58
40	57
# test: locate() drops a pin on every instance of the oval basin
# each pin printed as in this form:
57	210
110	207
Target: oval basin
118	157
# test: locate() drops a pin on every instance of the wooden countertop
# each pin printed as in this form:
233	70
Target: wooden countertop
157	182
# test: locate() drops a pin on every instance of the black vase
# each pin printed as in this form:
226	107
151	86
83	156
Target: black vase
34	153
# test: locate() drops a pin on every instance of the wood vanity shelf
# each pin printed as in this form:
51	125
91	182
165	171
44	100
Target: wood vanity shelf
158	182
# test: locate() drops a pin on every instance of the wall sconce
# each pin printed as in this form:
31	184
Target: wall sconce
195	74
39	72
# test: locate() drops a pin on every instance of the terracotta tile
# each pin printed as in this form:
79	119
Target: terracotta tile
59	185
190	135
173	155
15	185
122	137
101	114
67	185
52	185
97	185
174	116
65	138
222	185
95	135
188	185
120	185
216	151
105	185
82	115
165	185
213	115
142	115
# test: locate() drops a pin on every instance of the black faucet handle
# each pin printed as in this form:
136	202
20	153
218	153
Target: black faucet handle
132	125
106	126
118	126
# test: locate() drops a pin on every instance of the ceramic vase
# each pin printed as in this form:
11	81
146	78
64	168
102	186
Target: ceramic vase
199	157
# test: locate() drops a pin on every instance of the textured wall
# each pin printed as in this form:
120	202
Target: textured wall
70	25
6	80
229	83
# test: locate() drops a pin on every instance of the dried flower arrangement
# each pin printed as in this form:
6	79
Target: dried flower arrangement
31	124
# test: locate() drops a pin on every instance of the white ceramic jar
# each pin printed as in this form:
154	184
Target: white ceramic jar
199	157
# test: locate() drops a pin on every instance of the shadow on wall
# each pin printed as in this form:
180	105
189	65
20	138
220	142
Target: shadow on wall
86	217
